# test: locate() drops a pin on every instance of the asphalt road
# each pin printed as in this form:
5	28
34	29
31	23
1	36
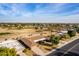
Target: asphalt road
71	49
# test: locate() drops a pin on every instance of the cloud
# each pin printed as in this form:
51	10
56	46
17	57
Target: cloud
36	12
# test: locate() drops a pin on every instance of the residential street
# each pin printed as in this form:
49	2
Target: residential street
71	49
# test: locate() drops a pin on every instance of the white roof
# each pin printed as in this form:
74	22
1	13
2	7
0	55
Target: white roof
39	39
64	31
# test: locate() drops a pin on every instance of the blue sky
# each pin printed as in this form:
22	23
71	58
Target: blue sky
40	12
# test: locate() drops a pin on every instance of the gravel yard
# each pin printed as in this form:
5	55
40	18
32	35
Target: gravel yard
12	44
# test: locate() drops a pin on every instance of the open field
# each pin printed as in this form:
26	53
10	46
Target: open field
28	29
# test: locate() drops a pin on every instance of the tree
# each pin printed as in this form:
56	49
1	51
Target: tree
4	51
55	39
77	29
71	33
36	27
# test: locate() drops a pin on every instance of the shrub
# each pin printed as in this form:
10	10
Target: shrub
55	39
77	29
71	33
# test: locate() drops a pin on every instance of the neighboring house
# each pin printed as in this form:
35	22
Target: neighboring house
62	32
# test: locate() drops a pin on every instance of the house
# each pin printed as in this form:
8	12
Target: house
62	32
33	39
31	43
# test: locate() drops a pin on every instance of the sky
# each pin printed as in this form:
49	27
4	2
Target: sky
39	12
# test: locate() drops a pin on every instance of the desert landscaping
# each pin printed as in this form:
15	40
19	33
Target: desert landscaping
36	39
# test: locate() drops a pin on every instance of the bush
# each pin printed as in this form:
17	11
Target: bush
55	39
71	33
77	29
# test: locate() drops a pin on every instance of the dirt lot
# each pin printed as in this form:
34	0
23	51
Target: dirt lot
16	33
21	33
